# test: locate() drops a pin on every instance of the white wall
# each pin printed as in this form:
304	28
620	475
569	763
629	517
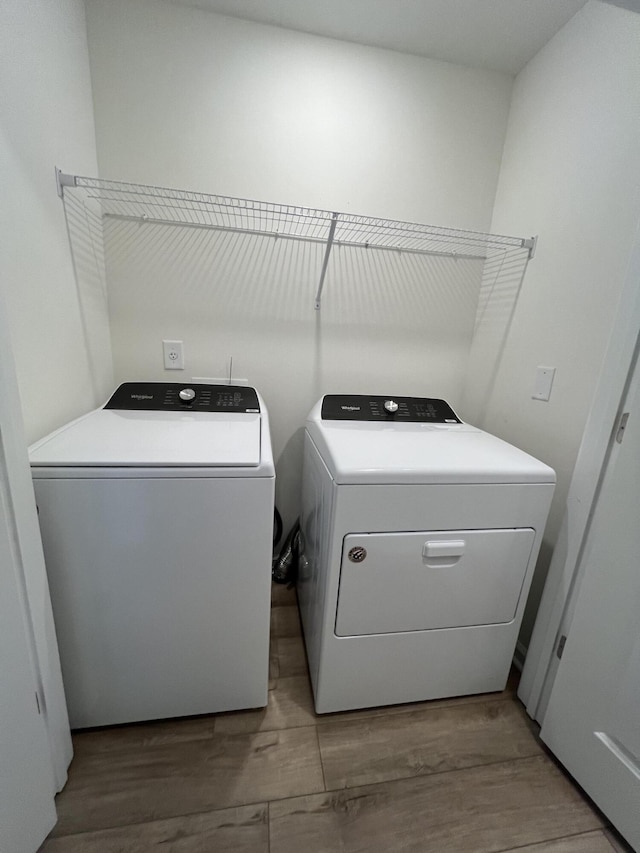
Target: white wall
200	101
47	120
571	173
195	100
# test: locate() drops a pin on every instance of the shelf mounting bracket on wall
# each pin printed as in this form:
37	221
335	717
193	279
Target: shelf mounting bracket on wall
530	243
63	180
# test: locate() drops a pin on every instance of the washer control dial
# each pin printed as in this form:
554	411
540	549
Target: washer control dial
187	395
391	406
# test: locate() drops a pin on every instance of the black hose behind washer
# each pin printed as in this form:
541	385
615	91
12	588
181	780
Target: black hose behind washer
285	566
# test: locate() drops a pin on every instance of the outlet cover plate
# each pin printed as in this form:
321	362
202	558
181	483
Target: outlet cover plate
173	354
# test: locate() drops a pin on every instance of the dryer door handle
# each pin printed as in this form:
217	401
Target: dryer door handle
443	552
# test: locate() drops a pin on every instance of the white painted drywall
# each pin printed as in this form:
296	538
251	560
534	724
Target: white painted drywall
571	173
47	120
195	100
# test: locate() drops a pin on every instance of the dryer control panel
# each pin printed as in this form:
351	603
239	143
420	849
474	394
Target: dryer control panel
360	407
174	397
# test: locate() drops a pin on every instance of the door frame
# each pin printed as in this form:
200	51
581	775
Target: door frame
39	614
565	572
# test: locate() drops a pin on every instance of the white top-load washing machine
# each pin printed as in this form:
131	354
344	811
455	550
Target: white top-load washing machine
156	514
419	539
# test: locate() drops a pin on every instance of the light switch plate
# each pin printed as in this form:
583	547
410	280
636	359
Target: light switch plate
544	381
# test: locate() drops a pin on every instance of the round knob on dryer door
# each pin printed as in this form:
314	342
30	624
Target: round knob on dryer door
187	395
391	406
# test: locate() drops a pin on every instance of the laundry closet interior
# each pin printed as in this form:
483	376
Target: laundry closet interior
312	213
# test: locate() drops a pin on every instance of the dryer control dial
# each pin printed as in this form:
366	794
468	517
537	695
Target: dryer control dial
187	395
391	406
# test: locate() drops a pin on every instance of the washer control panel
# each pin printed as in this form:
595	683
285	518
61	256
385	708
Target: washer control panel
174	397
359	407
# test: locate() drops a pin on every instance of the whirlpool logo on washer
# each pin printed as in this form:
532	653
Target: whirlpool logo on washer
350	408
357	554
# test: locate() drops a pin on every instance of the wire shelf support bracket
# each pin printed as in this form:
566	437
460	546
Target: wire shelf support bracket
325	262
63	180
531	244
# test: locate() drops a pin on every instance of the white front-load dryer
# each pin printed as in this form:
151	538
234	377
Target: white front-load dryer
419	539
156	514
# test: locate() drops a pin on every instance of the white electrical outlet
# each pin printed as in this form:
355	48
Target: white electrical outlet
173	352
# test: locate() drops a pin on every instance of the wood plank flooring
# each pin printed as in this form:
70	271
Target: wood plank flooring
461	775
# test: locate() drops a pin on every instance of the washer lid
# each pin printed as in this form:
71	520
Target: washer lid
119	438
393	452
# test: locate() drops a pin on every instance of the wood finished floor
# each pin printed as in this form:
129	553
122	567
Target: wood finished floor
463	776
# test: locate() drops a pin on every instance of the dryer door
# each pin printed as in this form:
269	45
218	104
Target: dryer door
394	582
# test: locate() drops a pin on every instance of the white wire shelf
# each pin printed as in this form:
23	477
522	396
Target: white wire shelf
160	205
